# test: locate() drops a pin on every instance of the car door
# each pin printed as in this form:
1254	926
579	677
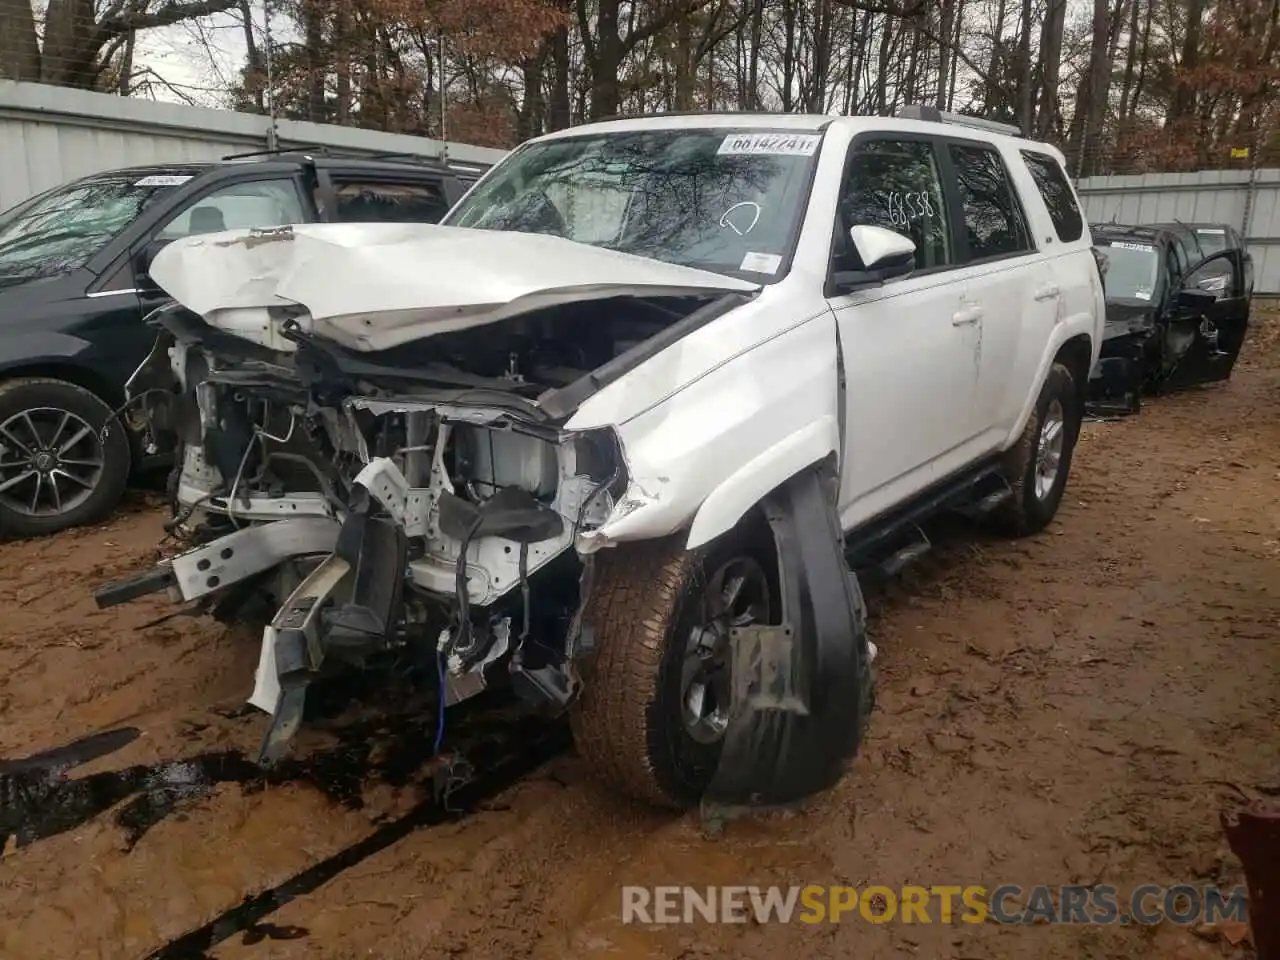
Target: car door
1006	279
1206	328
241	204
908	343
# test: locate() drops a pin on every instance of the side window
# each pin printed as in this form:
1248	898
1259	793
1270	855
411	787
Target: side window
895	184
1055	190
379	201
993	216
237	206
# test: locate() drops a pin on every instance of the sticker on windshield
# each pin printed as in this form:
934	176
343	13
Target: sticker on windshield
1212	231
776	144
1142	293
163	180
761	263
1144	247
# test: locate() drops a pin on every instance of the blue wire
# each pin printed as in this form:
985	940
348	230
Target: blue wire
440	718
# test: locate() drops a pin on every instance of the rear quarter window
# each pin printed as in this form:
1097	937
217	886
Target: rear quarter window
1055	190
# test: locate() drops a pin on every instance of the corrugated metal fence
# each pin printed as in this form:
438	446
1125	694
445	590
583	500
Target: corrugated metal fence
49	135
1211	196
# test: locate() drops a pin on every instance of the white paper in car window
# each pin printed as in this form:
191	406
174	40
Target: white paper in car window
761	263
1142	293
774	144
163	180
1144	247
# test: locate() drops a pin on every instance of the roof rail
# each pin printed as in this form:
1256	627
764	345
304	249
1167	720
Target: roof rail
920	111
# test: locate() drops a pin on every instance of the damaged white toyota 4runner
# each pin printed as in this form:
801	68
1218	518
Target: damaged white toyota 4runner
619	431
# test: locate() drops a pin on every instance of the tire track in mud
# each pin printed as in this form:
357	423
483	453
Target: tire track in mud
457	792
494	743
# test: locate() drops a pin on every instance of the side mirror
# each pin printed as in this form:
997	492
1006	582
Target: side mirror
1195	299
884	255
878	247
142	260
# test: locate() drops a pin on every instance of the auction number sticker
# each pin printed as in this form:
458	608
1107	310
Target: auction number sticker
1144	247
773	144
167	180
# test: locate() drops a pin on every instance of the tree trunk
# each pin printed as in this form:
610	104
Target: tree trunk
19	49
1024	68
1182	106
1050	66
946	26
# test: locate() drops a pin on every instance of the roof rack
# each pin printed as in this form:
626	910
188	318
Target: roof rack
304	150
920	111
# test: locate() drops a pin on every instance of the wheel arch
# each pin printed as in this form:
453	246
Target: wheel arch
103	388
748	486
1076	354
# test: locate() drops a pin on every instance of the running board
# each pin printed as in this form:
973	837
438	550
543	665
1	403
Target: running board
866	546
900	558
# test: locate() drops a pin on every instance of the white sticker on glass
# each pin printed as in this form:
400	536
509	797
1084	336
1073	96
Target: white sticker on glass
1144	247
163	180
761	263
775	144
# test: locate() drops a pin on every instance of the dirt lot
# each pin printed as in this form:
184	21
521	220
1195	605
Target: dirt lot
1074	708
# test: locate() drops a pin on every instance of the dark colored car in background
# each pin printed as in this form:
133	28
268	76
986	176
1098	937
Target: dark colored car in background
74	293
1170	323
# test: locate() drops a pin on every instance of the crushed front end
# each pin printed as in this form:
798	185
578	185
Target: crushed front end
375	511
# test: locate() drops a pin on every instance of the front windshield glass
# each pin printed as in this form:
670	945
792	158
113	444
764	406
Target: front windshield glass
1132	271
725	201
62	229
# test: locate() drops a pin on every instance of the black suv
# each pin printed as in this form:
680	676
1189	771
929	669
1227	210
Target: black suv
74	291
1175	317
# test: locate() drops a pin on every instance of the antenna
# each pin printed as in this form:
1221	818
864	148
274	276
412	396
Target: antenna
273	131
444	134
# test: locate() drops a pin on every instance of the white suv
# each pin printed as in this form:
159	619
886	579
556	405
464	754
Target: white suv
621	429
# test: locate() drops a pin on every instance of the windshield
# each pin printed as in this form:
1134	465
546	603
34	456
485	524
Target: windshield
723	201
1132	271
1212	240
62	229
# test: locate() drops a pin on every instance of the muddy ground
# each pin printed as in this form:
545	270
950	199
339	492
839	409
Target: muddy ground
1078	707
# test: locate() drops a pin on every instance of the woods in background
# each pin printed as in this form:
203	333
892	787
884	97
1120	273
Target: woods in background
1123	86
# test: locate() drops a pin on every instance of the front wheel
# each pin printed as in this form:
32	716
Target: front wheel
59	468
1037	467
655	703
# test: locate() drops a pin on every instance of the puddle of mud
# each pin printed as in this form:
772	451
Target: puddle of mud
39	800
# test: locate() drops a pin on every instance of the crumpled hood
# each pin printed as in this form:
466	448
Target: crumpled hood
373	286
1125	317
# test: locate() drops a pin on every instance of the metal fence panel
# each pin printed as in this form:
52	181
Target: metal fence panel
1209	196
49	135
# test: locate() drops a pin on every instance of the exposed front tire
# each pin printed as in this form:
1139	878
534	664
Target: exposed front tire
1037	466
57	469
655	703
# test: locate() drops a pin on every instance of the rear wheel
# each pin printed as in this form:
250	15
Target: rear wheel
58	468
655	703
1037	467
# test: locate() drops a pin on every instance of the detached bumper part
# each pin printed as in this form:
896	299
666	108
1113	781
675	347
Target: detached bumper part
369	558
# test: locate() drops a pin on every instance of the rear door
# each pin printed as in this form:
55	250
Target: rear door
1203	337
1008	283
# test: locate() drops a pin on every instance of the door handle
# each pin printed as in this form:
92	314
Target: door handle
966	316
1048	292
